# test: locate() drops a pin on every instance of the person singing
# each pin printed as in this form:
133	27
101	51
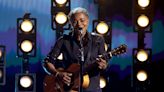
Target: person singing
70	46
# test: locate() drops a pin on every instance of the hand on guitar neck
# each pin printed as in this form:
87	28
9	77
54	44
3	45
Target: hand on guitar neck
102	64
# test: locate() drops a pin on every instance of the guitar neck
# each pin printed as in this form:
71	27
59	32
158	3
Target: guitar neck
108	55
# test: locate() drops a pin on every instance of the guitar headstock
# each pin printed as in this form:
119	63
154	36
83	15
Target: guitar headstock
119	50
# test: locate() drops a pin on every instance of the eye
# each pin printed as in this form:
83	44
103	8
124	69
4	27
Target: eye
74	22
82	20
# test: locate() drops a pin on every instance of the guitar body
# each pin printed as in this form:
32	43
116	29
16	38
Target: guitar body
54	84
50	84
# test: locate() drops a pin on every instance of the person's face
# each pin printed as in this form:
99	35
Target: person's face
80	21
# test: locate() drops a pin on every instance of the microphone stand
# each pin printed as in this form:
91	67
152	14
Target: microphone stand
81	64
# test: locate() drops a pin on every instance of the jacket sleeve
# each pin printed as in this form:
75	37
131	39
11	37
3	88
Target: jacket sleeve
101	50
55	51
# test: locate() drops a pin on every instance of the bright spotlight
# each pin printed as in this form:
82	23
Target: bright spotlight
25	81
2	65
26	46
142	55
142	75
61	2
1	73
102	82
0	53
61	18
143	3
26	26
2	76
143	21
102	28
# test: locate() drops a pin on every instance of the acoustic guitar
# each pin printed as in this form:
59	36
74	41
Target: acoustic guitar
54	84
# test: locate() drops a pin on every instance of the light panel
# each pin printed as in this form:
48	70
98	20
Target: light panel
26	36
59	11
25	82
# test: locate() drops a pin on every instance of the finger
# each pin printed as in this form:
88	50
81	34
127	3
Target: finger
100	67
101	63
97	59
67	83
69	74
67	80
102	60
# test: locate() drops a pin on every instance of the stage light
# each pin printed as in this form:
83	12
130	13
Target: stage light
26	46
0	53
25	82
26	26
26	36
61	2
143	3
143	14
61	18
143	21
142	75
2	65
142	68
2	75
142	55
102	28
59	12
102	82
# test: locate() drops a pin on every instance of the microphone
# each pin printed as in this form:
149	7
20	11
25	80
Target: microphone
80	29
